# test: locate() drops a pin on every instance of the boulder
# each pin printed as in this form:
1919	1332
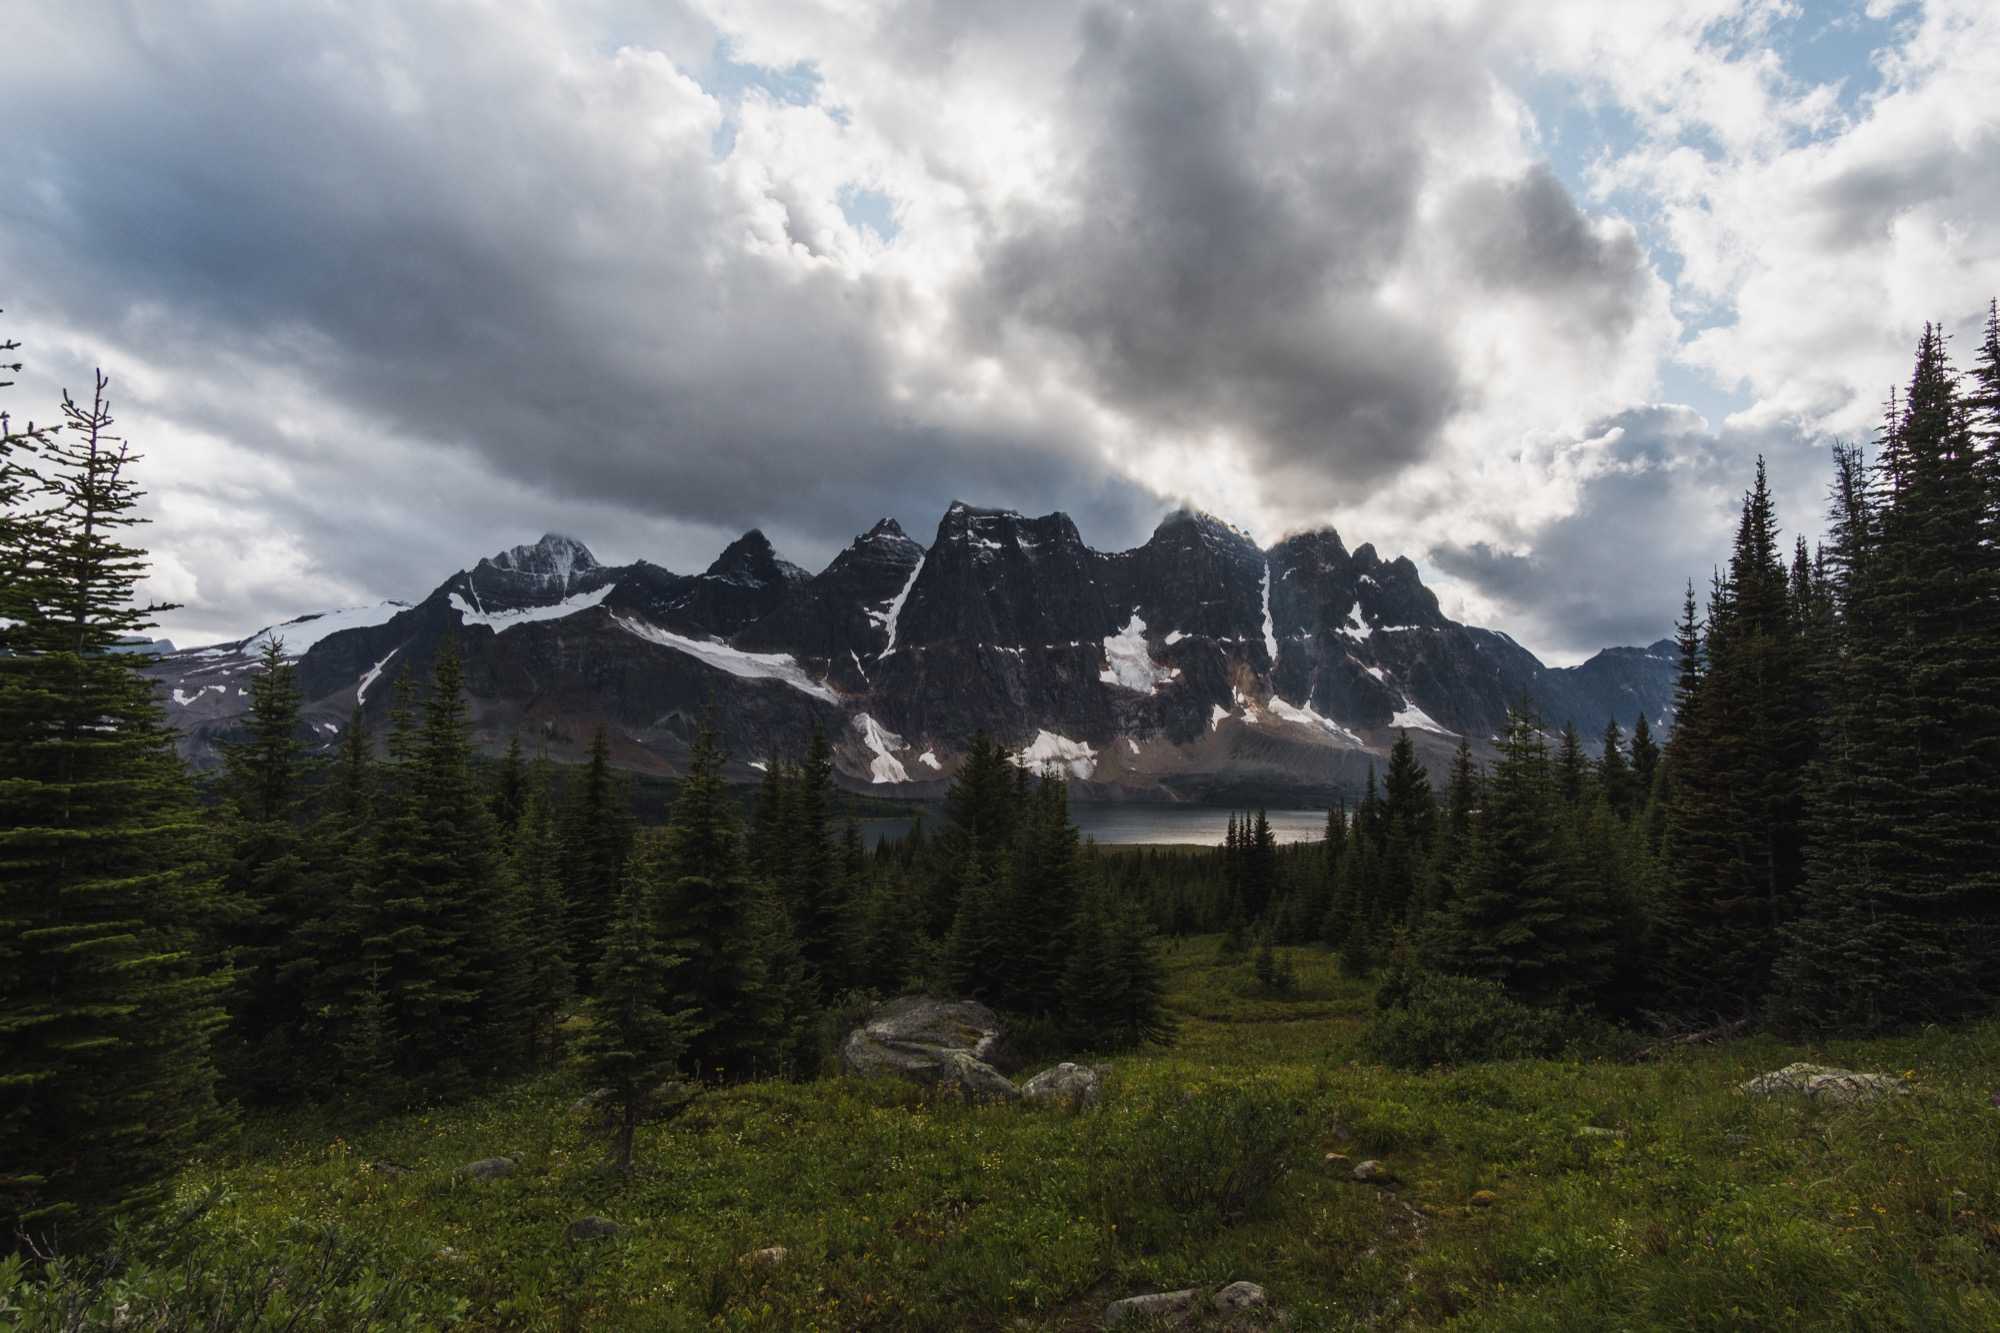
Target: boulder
1071	1086
942	1044
1240	1296
591	1228
1372	1172
488	1168
1836	1087
768	1257
1158	1305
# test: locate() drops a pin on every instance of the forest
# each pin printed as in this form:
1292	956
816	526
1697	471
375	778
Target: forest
1811	854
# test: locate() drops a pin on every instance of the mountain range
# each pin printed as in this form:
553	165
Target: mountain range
1196	666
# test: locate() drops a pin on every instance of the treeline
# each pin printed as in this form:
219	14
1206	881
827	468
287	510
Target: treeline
1815	848
397	925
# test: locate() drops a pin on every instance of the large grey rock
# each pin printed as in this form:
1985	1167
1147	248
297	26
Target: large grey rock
1823	1083
592	1228
1157	1305
944	1044
488	1168
1072	1086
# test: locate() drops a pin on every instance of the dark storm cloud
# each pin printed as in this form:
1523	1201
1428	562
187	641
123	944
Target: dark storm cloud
1527	235
1215	261
1659	512
457	257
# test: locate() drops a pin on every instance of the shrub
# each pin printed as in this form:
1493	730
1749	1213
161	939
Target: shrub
1434	1018
1192	1163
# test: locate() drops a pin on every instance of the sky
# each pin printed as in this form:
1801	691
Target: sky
1518	290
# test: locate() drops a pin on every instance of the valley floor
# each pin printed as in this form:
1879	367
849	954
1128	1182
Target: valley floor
1702	1209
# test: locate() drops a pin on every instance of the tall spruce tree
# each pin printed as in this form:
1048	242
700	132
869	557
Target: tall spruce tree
1517	914
713	916
1739	753
597	830
547	976
108	1008
268	893
638	1030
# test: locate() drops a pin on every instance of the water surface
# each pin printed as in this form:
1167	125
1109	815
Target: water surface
1126	825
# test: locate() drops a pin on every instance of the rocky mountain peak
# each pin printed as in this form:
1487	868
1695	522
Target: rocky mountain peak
752	560
555	557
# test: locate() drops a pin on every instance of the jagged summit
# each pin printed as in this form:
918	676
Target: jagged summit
1171	670
752	559
885	530
555	556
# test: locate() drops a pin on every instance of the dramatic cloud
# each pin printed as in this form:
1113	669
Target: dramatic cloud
385	286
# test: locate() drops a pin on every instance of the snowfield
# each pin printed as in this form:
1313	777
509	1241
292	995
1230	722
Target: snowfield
1128	663
885	767
754	666
502	621
1048	748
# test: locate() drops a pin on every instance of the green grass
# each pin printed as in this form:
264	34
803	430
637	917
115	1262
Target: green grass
1712	1211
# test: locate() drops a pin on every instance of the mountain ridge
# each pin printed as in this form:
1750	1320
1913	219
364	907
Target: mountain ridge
1191	666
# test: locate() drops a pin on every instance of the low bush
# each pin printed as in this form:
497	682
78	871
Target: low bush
1193	1162
1428	1018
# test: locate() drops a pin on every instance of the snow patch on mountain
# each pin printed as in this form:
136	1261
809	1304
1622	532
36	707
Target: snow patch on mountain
301	634
1049	748
1270	626
930	760
1129	664
1217	715
502	621
755	666
371	676
1306	716
895	611
885	767
1417	719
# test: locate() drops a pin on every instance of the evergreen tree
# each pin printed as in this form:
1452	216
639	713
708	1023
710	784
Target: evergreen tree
596	838
637	1033
1614	773
267	893
1571	767
547	974
510	789
809	882
108	1010
1734	854
703	895
1645	760
1517	916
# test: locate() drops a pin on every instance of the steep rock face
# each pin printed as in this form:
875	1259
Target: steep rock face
746	583
836	623
1003	621
1193	665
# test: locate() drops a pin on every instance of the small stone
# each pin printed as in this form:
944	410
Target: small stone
1372	1172
1240	1296
1484	1198
488	1168
1598	1132
1158	1305
390	1170
591	1228
768	1257
1337	1157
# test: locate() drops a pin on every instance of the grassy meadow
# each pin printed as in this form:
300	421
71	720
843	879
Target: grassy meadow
1208	1162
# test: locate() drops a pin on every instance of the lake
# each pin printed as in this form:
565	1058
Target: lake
1125	825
